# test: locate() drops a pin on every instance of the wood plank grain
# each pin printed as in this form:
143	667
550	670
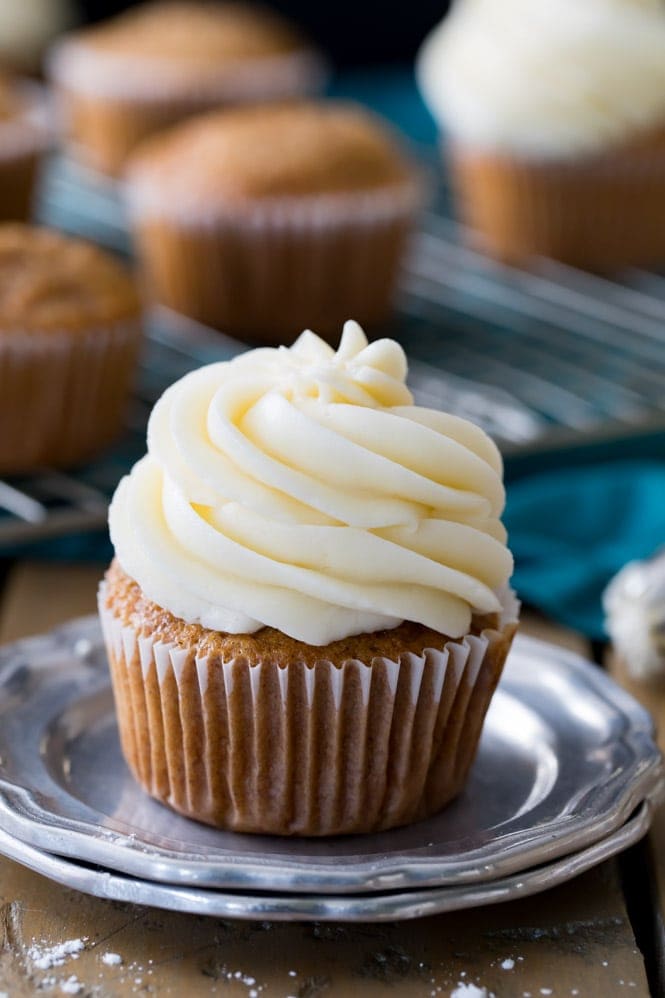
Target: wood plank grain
39	596
575	940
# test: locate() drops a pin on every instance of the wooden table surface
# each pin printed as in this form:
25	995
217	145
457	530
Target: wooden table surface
576	940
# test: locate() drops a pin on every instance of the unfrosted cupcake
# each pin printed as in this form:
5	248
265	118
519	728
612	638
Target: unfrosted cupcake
152	66
308	613
555	123
69	337
269	219
23	142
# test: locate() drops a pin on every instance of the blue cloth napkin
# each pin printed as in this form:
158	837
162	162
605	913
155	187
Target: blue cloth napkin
572	530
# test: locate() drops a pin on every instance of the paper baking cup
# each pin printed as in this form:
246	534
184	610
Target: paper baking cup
301	750
601	212
109	103
63	393
266	270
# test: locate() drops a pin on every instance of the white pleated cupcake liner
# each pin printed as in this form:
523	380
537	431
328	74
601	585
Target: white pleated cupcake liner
119	77
146	201
269	270
62	393
302	750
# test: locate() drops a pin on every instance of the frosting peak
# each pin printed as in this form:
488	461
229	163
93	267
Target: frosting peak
357	372
301	489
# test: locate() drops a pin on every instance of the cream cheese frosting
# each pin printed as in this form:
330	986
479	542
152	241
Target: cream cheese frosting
546	77
634	604
300	488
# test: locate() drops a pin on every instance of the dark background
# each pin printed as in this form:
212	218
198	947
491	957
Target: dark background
351	32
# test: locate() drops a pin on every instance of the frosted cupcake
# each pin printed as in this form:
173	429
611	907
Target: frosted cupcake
555	120
308	612
634	605
23	142
152	66
70	327
265	220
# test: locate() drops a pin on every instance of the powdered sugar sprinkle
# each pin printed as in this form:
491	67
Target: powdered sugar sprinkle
45	957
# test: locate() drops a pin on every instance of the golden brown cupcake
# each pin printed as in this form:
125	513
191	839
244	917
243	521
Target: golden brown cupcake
555	127
69	338
264	220
161	62
23	142
309	611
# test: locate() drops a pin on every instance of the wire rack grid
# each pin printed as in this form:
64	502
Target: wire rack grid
544	360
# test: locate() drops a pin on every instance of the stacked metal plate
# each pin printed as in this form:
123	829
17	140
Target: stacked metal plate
567	775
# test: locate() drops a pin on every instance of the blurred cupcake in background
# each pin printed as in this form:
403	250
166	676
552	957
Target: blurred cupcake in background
156	64
70	325
554	116
263	220
24	138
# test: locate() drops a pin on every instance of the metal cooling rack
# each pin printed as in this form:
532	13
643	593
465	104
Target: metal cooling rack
544	361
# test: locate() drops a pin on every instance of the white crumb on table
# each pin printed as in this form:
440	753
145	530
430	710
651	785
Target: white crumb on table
464	990
45	957
72	986
112	959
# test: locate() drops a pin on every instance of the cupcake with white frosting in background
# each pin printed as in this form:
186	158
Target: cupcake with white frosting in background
634	605
309	608
554	117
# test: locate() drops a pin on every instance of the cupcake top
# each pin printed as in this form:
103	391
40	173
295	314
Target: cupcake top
546	77
50	282
265	152
301	489
198	44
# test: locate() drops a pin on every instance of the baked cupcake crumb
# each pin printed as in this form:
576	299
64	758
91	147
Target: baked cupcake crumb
124	598
49	281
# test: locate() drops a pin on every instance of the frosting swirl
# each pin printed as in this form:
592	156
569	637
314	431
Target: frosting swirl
546	77
301	489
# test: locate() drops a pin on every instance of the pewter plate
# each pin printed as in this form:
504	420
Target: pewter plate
566	757
377	907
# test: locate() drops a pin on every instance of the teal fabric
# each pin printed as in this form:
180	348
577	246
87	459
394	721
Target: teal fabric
572	530
392	92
